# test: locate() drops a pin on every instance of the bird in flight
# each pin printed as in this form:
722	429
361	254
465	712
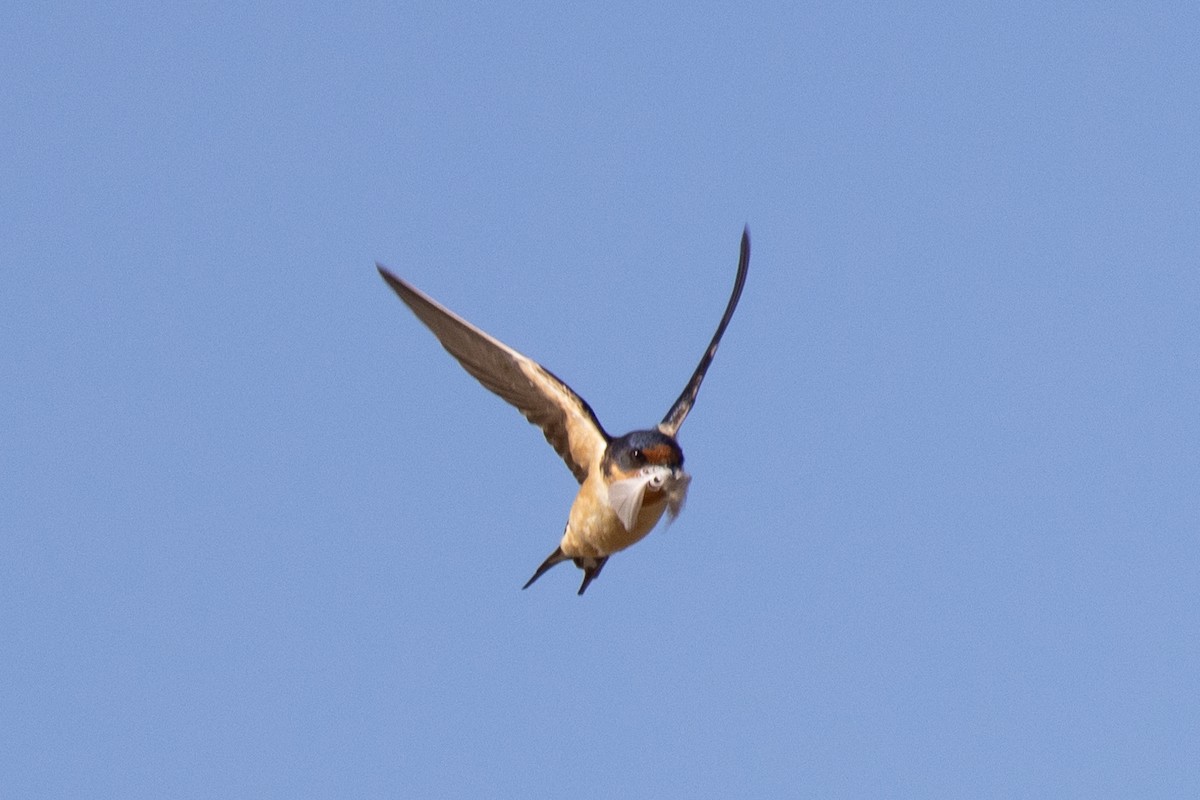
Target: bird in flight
626	482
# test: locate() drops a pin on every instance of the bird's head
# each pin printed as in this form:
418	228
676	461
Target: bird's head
633	453
645	467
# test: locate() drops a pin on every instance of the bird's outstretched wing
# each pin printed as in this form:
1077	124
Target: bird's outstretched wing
567	420
679	411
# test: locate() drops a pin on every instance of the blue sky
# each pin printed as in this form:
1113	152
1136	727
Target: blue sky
261	537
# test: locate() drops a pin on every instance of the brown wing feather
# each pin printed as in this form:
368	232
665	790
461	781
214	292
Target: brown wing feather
568	421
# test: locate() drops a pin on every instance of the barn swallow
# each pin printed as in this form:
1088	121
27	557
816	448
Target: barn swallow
626	482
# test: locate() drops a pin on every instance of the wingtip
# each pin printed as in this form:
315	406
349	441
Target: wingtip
398	286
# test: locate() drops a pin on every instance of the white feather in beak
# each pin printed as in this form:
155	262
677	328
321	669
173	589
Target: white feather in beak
626	495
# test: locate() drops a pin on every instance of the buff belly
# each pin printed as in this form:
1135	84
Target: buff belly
593	528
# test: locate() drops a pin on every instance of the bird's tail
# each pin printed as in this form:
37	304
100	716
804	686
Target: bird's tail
591	570
591	567
557	557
